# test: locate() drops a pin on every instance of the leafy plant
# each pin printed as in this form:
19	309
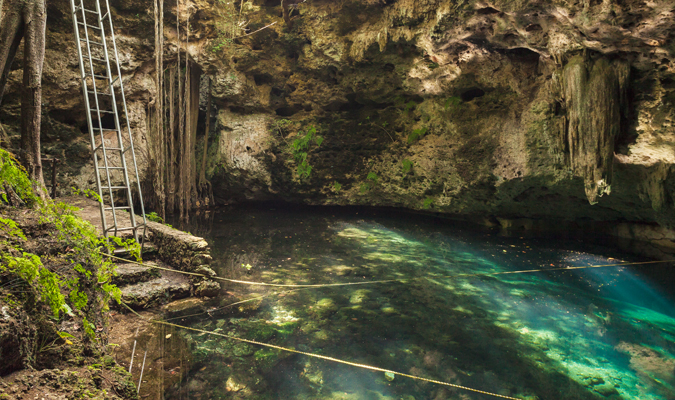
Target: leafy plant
14	176
154	217
406	166
87	193
428	203
417	134
337	187
372	177
300	148
365	187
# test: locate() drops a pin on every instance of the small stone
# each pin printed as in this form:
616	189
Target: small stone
389	376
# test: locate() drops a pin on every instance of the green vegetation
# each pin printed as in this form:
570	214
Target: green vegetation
371	181
416	135
228	26
154	217
84	289
300	147
406	166
15	177
337	187
428	203
452	102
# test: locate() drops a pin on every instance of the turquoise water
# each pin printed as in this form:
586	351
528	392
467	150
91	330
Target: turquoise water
603	333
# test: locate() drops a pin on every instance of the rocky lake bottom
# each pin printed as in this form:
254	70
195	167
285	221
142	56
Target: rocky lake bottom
452	311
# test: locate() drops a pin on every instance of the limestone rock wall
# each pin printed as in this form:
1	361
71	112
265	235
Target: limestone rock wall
513	109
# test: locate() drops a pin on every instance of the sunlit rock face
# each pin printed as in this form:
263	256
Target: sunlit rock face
544	110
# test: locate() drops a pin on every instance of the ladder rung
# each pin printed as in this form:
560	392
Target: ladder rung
99	93
113	187
111	148
91	41
95	76
122	229
102	111
111	167
90	11
117	208
105	129
105	15
88	26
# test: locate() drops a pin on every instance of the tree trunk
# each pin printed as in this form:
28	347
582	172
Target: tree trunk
35	22
205	188
170	162
26	19
195	76
11	33
159	188
287	14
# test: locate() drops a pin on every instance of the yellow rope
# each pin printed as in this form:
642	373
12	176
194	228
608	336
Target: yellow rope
248	282
388	280
333	359
559	269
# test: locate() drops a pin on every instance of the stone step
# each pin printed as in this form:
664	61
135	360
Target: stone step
149	252
155	292
133	273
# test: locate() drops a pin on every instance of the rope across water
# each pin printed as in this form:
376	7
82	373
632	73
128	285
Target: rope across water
333	359
340	361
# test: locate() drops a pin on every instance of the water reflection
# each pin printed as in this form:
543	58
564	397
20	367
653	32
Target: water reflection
549	335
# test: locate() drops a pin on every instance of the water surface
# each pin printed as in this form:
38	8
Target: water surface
599	333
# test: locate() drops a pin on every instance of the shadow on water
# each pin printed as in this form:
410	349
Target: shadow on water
582	334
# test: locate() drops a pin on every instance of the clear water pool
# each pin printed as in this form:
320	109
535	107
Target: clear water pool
600	333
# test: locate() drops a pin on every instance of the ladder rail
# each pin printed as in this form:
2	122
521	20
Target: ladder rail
126	116
86	100
98	107
118	128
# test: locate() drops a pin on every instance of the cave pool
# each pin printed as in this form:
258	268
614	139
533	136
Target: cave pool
598	333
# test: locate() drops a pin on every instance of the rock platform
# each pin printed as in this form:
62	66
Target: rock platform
146	287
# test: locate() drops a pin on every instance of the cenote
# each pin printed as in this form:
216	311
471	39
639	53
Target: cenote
454	312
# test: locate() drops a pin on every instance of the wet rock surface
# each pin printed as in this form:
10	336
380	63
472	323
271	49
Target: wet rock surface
156	291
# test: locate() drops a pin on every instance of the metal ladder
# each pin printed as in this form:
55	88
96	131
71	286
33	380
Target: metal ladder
99	84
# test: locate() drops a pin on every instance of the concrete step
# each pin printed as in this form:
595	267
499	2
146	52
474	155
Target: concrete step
155	292
133	273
